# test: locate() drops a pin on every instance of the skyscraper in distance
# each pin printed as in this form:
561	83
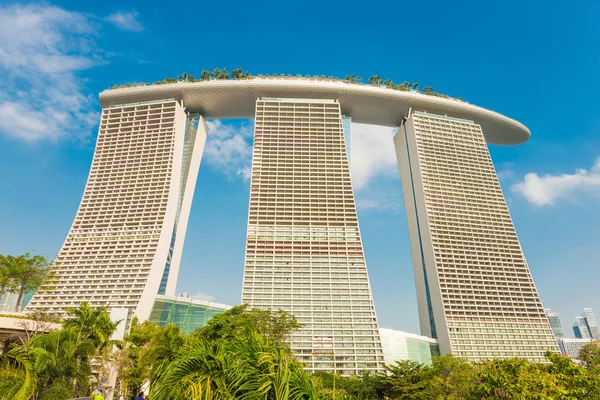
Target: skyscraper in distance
591	324
580	328
555	324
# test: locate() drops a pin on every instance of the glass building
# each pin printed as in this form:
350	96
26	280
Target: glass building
580	328
555	324
188	314
399	346
591	324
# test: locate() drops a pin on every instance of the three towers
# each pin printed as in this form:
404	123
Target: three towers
304	251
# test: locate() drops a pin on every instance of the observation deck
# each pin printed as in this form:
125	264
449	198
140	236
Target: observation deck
365	104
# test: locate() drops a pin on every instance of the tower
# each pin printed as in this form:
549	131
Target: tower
304	251
591	324
554	320
475	292
125	244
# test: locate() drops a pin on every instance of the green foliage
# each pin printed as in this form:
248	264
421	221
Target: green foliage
57	365
241	354
453	378
23	274
239	73
276	326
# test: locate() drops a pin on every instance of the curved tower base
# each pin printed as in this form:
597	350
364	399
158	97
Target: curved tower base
125	244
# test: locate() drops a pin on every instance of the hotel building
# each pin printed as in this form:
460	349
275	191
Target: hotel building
474	290
304	252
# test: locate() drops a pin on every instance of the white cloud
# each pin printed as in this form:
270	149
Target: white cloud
373	153
228	149
390	200
126	21
41	49
203	296
547	189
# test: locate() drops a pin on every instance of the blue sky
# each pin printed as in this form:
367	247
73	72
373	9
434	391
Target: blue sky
535	61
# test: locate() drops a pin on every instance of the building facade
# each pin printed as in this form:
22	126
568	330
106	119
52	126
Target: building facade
571	347
186	313
591	324
125	244
554	320
580	328
403	346
304	251
475	292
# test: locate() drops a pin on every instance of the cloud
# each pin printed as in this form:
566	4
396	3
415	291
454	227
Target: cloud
42	47
228	148
126	21
373	154
547	189
390	200
203	296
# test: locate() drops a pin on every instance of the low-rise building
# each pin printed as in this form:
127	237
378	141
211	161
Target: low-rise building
398	346
572	347
186	313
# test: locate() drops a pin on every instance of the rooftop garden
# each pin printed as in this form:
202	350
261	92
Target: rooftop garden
240	74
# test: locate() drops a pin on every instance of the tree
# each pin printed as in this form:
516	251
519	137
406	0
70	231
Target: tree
428	89
406	380
237	73
92	324
590	355
28	273
247	367
577	382
374	80
516	378
37	322
275	325
389	83
17	377
451	378
56	365
6	273
221	73
206	75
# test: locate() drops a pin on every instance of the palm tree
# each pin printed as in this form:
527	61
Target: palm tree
237	73
428	89
250	367
206	75
17	375
221	73
91	323
374	80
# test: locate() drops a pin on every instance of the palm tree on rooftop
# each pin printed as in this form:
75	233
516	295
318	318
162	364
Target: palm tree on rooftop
205	75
